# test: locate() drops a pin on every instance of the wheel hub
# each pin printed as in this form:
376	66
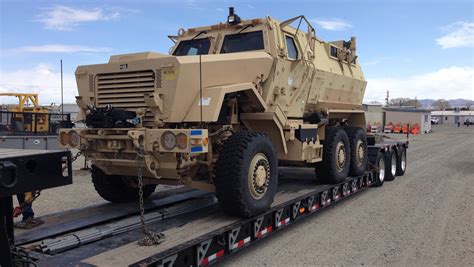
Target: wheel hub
360	152
258	176
381	170
404	161
393	166
341	155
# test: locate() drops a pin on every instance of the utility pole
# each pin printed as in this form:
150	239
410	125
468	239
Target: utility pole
62	91
386	99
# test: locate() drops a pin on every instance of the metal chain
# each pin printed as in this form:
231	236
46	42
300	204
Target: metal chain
150	238
77	155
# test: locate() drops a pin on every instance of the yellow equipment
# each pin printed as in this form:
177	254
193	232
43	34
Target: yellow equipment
28	118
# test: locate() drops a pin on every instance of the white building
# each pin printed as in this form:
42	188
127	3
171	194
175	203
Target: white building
453	116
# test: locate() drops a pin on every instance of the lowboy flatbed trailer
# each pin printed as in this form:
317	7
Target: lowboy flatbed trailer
197	232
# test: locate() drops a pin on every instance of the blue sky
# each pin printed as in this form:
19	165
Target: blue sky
422	49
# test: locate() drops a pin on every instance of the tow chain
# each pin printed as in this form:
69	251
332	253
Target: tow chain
76	156
150	238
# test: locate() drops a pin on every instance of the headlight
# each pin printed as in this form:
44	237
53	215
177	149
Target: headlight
63	138
168	140
182	141
74	139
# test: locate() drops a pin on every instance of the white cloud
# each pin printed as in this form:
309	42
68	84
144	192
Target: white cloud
43	80
334	24
371	62
59	48
448	83
64	18
461	34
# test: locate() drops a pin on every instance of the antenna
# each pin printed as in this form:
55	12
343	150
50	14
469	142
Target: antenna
200	84
62	91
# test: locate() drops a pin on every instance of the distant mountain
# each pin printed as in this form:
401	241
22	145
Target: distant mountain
427	102
460	102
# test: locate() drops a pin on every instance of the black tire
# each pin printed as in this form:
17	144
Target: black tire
330	170
390	165
358	143
112	187
380	173
401	161
233	189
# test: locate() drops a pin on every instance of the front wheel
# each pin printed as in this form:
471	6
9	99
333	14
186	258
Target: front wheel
246	174
113	188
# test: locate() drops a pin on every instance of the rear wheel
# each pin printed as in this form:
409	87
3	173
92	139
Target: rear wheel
380	165
401	161
113	188
390	165
246	174
336	156
358	143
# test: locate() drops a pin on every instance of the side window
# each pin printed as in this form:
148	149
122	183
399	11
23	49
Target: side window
333	51
291	46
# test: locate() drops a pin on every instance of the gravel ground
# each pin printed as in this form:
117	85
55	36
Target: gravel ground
423	218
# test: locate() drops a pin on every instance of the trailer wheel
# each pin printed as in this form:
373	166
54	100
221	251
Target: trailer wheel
401	161
336	156
358	143
113	188
246	174
390	165
380	165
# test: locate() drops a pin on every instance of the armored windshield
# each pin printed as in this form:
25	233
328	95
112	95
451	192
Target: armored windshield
193	47
241	42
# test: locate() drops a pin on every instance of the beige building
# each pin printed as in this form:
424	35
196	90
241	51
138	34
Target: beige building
411	116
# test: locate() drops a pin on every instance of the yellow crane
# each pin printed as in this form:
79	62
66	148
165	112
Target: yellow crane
27	118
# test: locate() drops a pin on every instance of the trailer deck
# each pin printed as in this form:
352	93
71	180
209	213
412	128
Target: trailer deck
199	236
197	231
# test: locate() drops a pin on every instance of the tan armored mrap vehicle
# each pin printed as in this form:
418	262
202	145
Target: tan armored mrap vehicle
231	103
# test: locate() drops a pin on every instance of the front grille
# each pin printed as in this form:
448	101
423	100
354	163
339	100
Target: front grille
125	89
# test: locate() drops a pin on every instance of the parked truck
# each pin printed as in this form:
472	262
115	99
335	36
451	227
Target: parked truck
230	104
